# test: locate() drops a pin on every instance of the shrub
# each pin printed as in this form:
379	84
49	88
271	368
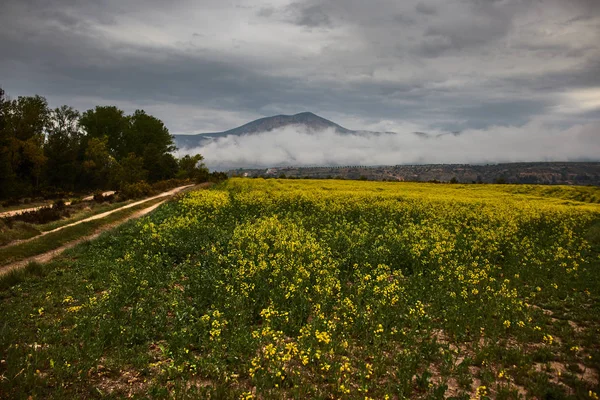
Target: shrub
162	186
135	190
217	177
99	197
40	216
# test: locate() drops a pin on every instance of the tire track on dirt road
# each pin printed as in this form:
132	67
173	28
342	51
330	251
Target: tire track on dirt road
47	256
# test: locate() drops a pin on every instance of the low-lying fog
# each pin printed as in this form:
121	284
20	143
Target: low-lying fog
295	146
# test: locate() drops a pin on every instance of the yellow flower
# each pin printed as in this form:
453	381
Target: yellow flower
481	391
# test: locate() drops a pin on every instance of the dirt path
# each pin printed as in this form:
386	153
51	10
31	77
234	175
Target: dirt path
24	210
101	215
90	198
45	257
107	213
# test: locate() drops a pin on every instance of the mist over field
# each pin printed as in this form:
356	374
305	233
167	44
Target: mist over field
297	146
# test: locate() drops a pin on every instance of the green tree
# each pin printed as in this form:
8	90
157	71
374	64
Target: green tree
130	170
25	122
109	122
168	166
7	175
144	130
192	167
150	139
159	164
99	165
62	148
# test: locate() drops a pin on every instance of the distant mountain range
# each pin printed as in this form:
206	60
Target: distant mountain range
307	120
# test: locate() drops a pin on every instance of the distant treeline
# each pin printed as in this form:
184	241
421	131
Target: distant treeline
45	150
543	173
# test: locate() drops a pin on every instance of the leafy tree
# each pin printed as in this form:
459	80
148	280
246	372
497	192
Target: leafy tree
168	166
192	167
7	175
62	148
2	111
103	147
24	121
145	130
109	122
99	165
159	164
130	170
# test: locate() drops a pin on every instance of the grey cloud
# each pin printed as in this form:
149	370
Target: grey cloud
403	19
309	15
265	12
426	9
441	64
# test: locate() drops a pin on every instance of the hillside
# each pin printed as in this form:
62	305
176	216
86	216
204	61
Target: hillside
307	120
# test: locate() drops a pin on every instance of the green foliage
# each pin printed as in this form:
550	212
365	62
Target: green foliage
99	166
107	122
62	148
316	289
135	190
39	216
25	121
53	240
163	186
130	170
192	167
43	150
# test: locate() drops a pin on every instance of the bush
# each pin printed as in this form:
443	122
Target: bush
163	186
135	190
99	197
11	202
59	205
55	194
40	216
217	177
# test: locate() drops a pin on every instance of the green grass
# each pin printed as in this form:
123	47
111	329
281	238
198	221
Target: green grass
82	213
584	194
54	240
19	231
23	230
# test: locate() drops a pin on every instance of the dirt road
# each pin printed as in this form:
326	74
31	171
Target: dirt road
104	214
24	210
45	257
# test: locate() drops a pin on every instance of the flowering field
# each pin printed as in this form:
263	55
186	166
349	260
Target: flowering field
320	289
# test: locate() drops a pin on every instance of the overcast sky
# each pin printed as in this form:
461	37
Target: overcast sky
211	65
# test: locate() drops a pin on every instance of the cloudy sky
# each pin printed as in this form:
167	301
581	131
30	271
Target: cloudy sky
211	65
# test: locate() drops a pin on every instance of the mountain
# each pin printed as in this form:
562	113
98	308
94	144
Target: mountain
310	121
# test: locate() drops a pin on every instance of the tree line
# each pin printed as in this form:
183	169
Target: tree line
44	150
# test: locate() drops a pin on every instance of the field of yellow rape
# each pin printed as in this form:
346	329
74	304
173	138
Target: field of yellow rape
320	289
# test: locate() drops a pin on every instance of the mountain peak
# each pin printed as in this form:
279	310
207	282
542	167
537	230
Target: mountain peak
306	114
307	120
